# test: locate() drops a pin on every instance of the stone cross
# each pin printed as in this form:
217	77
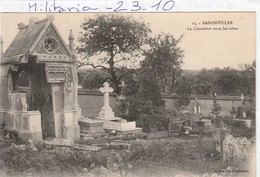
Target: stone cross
242	99
106	90
215	97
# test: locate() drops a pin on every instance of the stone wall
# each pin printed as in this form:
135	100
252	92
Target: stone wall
206	103
92	101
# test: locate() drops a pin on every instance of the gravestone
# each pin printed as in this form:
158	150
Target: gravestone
196	107
241	115
110	121
196	114
49	108
242	109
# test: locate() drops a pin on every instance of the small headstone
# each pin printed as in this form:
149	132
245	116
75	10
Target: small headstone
196	107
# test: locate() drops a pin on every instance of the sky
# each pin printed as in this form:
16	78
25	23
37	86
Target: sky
202	48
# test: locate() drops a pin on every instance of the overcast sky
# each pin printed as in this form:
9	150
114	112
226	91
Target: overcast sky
202	48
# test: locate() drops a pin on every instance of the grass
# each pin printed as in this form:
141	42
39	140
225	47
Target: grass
164	156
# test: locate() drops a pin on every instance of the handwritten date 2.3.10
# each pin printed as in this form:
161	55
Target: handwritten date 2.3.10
118	6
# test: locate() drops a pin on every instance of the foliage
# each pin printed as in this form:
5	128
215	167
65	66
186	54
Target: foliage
11	135
164	59
158	70
146	106
223	81
248	79
183	91
132	81
92	79
234	147
115	40
198	86
150	117
173	153
226	81
216	108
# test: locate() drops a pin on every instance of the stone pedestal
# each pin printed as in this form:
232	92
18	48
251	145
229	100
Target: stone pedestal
31	126
106	112
70	126
207	122
90	126
27	123
242	122
194	119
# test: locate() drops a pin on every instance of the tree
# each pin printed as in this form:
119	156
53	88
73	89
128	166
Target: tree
228	81
114	40
92	79
183	91
164	59
147	106
248	79
223	81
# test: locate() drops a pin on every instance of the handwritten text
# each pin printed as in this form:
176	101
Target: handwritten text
83	6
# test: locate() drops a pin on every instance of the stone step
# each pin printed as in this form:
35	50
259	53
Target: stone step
84	134
86	147
58	142
131	131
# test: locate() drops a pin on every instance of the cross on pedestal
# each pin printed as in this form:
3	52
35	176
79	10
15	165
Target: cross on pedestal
106	90
106	111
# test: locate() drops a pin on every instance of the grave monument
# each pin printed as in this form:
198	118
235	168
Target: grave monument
47	108
108	117
196	107
241	114
196	113
216	108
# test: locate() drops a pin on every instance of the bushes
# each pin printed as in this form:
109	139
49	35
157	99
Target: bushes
147	115
177	153
60	159
147	106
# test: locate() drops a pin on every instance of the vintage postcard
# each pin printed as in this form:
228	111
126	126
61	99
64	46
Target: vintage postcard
128	94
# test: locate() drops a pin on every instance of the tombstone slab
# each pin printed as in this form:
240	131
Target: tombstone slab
90	126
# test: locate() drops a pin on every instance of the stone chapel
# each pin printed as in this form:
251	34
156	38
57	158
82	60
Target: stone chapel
47	106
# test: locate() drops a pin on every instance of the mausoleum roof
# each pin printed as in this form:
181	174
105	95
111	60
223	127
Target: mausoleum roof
25	38
30	40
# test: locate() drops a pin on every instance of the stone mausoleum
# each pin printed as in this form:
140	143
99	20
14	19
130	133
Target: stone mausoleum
47	107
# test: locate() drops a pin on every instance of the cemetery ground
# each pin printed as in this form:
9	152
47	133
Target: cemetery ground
121	155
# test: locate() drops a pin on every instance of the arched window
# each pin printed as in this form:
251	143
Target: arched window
23	79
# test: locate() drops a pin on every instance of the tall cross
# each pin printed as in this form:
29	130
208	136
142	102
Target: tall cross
122	86
242	99
106	90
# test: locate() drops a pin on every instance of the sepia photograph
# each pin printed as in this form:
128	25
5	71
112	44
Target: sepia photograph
128	94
